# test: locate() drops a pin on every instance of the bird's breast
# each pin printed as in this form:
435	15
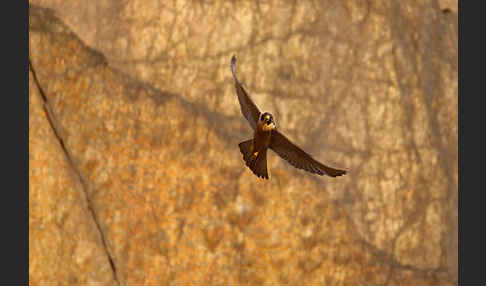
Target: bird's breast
261	139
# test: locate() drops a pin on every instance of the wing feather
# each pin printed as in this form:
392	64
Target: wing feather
298	158
248	108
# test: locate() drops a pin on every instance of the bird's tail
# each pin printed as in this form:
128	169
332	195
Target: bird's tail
256	161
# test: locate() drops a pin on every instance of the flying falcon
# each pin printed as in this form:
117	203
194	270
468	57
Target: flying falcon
267	136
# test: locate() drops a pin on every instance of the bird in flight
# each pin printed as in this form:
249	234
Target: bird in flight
267	136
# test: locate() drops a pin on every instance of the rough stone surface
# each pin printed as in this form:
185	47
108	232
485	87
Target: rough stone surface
448	6
151	123
65	246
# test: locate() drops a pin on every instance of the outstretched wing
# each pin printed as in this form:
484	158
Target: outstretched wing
248	108
298	158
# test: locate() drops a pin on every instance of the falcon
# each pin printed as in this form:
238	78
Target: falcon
267	136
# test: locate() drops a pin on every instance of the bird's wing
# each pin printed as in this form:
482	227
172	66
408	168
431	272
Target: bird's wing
298	158
248	108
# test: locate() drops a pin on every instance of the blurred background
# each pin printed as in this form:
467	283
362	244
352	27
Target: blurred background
135	173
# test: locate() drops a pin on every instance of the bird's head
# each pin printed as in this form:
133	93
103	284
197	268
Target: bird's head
267	122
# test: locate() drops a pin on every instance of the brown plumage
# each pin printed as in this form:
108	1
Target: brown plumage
267	136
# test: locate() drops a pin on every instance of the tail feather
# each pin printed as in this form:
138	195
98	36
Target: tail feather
245	149
258	164
260	167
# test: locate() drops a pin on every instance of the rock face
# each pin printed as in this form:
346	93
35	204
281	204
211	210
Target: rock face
65	245
135	173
